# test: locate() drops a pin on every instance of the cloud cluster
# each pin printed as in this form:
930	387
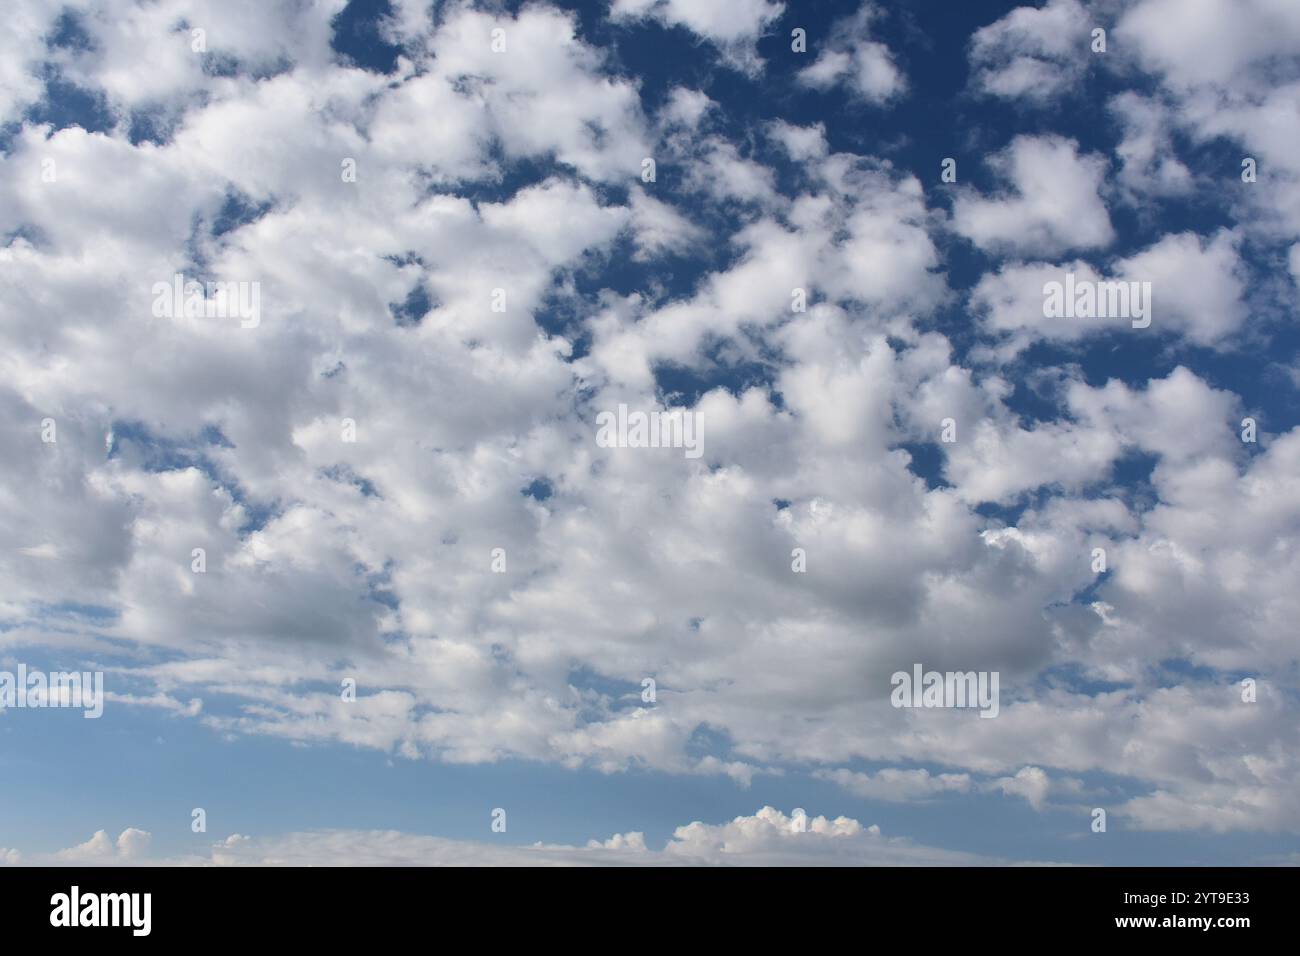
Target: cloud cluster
392	478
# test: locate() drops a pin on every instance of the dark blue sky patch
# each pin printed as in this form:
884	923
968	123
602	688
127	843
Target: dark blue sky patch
1128	481
1036	398
407	258
512	176
238	210
709	741
1134	468
1006	515
26	232
359	35
384	597
411	311
66	104
69	33
677	384
213	435
1092	591
344	474
539	489
927	463
7	133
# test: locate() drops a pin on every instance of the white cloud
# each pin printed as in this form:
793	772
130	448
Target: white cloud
21	43
1054	204
659	228
1197	291
1033	53
895	785
1148	166
1031	783
1230	70
801	143
131	845
1209	41
371	559
852	58
685	108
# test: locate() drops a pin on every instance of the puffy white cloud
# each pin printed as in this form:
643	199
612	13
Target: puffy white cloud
861	237
21	45
1209	41
866	67
546	94
1030	782
800	142
1230	70
1054	203
658	228
1147	164
1197	289
1032	53
685	108
131	845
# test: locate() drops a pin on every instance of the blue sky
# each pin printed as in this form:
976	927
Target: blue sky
520	171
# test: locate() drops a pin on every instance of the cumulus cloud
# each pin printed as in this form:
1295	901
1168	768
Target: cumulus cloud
1031	783
1033	53
130	845
1053	203
437	337
851	58
1230	70
1213	41
1197	290
1148	163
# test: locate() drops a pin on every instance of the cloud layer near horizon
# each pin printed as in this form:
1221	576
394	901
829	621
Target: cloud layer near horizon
766	838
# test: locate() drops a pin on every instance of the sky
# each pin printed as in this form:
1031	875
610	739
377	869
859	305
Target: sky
366	576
